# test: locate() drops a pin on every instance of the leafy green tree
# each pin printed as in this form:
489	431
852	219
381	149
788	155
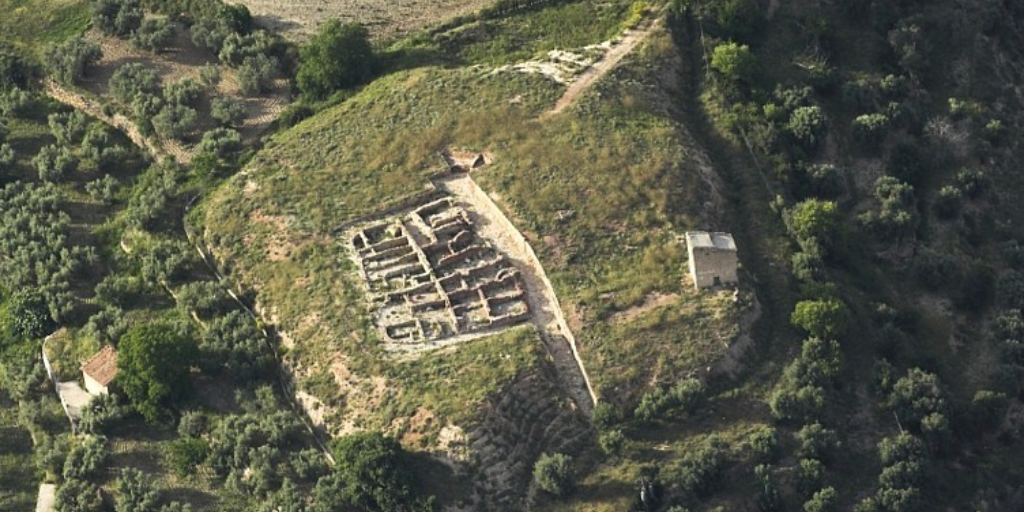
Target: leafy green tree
256	74
808	125
337	57
78	496
825	500
186	92
915	396
67	128
734	62
764	444
897	215
554	474
822	318
54	163
740	19
154	35
116	17
612	441
30	315
815	223
103	189
227	111
86	458
153	368
67	62
810	474
185	454
373	475
135	492
102	413
133	80
816	442
175	121
871	129
702	469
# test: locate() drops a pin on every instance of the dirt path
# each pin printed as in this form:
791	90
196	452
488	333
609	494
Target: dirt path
118	121
495	227
600	68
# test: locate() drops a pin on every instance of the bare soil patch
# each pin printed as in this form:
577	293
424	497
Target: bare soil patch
384	18
651	302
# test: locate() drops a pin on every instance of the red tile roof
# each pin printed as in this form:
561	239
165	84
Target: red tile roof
102	366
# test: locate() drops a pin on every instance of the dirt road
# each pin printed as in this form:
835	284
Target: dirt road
492	225
600	68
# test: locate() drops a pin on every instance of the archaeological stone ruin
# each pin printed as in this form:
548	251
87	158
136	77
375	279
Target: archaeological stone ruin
713	258
432	279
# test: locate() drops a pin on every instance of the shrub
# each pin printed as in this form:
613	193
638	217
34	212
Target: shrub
683	398
605	415
972	182
808	126
988	409
133	80
554	474
54	163
223	143
30	314
67	62
154	35
815	224
135	492
67	128
897	215
103	189
739	19
102	413
810	474
185	454
175	121
1010	289
116	17
612	441
337	57
86	458
78	496
825	500
186	92
227	111
15	71
734	62
376	476
870	129
702	469
935	270
822	318
764	444
947	203
256	74
808	267
915	396
816	442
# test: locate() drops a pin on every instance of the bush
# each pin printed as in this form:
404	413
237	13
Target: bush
825	500
739	19
15	71
605	415
30	314
808	267
185	454
103	189
915	396
175	121
185	92
822	318
68	128
612	441
102	413
376	476
816	442
936	270
86	458
810	474
702	469
135	492
256	74
78	496
870	129
734	62
54	163
337	57
155	35
554	474
227	111
815	224
764	444
683	398
808	126
897	215
67	62
133	80
1010	289
117	18
988	409
947	203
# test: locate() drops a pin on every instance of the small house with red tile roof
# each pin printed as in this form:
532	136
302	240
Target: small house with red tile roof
99	371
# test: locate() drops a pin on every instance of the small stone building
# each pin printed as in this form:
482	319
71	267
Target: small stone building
99	371
713	258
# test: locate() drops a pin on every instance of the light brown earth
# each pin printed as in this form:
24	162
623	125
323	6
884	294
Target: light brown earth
297	20
628	41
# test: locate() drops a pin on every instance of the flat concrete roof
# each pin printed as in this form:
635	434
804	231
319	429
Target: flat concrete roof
716	240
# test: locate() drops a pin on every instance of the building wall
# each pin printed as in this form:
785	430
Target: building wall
93	387
706	264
